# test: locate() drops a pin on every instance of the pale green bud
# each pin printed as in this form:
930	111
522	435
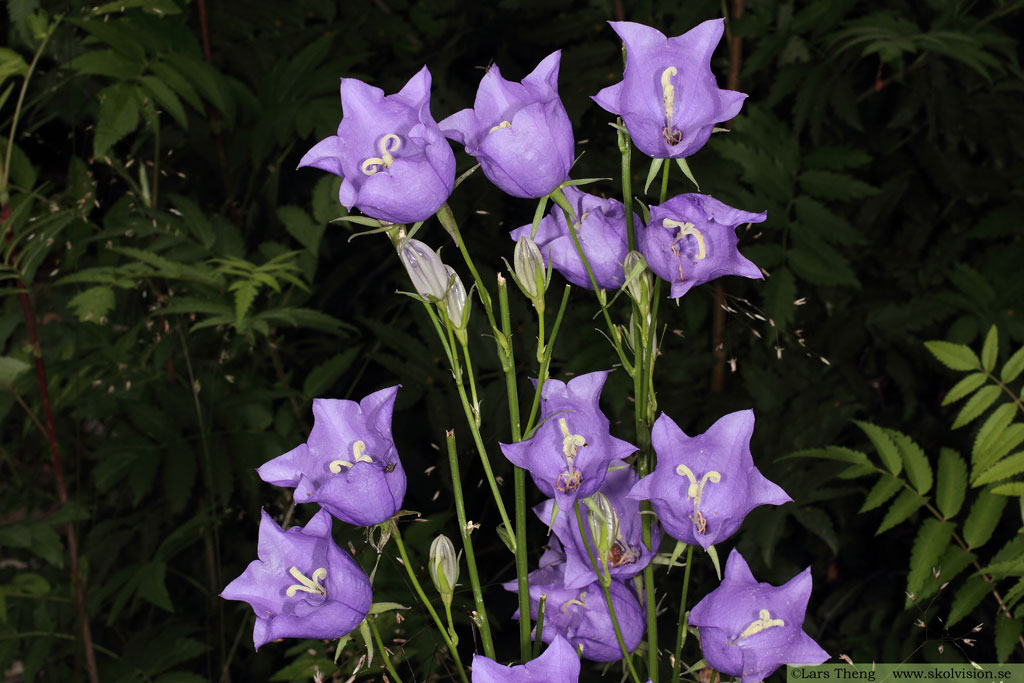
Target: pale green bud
604	525
529	266
455	301
429	276
444	567
639	282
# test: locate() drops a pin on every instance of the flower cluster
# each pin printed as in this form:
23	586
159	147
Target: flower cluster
397	167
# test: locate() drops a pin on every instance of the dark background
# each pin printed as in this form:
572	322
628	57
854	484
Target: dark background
884	140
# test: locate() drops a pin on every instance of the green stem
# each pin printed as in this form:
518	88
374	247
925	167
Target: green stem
545	363
397	535
519	476
372	621
605	581
570	218
541	606
467	544
684	618
626	150
664	180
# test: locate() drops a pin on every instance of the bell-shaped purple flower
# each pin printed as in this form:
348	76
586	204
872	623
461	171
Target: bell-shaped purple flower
519	132
569	455
750	629
558	664
668	98
349	464
628	554
303	585
703	486
396	164
691	239
601	231
581	615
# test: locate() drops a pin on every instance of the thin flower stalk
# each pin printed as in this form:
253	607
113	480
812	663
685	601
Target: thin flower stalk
684	617
626	149
372	621
545	362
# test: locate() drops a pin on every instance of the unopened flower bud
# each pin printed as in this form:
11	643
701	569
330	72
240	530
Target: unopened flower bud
429	276
604	525
444	567
638	279
455	301
529	265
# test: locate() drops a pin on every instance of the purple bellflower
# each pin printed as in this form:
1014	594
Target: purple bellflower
628	555
691	239
668	98
558	664
519	132
750	629
601	233
303	585
703	486
569	455
349	464
396	164
581	615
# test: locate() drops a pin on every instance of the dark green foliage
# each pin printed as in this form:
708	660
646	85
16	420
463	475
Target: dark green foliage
191	297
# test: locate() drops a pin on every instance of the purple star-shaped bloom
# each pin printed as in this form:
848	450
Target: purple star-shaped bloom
569	455
558	664
668	98
581	614
519	132
629	555
303	585
349	464
750	629
691	239
396	164
601	233
703	486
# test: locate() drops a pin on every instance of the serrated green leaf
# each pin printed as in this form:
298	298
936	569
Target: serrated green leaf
118	116
1014	594
779	295
1014	567
92	304
152	585
817	521
1012	489
1013	366
322	377
178	83
245	293
10	368
967	598
11	63
832	158
105	63
832	185
991	433
1011	437
858	471
1008	633
976	405
832	453
952	483
954	356
982	519
964	387
165	98
990	349
952	562
915	462
300	226
904	506
933	538
885	488
810	265
887	450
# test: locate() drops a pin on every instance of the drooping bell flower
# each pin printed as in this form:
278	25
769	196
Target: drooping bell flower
668	98
569	455
349	464
703	486
691	239
302	585
750	629
627	555
557	664
396	164
601	231
581	615
519	132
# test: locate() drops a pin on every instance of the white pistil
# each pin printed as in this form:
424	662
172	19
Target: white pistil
696	490
388	144
582	602
358	455
668	92
503	124
306	584
764	621
686	228
570	442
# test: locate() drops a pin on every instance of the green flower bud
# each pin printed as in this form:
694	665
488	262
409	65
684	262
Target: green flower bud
639	283
444	567
604	526
529	267
455	301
